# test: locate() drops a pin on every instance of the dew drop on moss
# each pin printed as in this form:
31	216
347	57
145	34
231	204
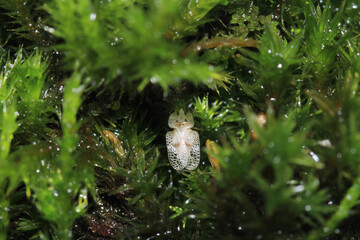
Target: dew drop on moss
92	16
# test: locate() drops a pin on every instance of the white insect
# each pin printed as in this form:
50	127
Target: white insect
183	144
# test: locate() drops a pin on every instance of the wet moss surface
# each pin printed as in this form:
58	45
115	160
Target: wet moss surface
87	88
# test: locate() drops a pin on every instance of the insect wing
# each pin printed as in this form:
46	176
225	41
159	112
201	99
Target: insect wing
194	157
172	119
172	152
190	119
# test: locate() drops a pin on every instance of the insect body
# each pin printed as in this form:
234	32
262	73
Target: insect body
183	143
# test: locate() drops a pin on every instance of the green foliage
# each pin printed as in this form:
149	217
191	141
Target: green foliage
277	60
248	20
211	118
86	89
110	31
193	14
323	34
8	175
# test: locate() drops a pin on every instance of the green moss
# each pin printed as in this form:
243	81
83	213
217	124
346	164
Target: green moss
87	87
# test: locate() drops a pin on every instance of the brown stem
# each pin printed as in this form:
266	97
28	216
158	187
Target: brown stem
219	42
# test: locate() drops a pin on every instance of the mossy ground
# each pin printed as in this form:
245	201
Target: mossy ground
86	89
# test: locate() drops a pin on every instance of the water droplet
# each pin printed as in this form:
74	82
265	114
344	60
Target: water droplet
153	80
307	208
279	65
325	143
277	160
49	29
298	188
92	17
314	156
55	193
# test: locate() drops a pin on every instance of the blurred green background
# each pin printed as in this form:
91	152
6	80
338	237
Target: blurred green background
87	87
